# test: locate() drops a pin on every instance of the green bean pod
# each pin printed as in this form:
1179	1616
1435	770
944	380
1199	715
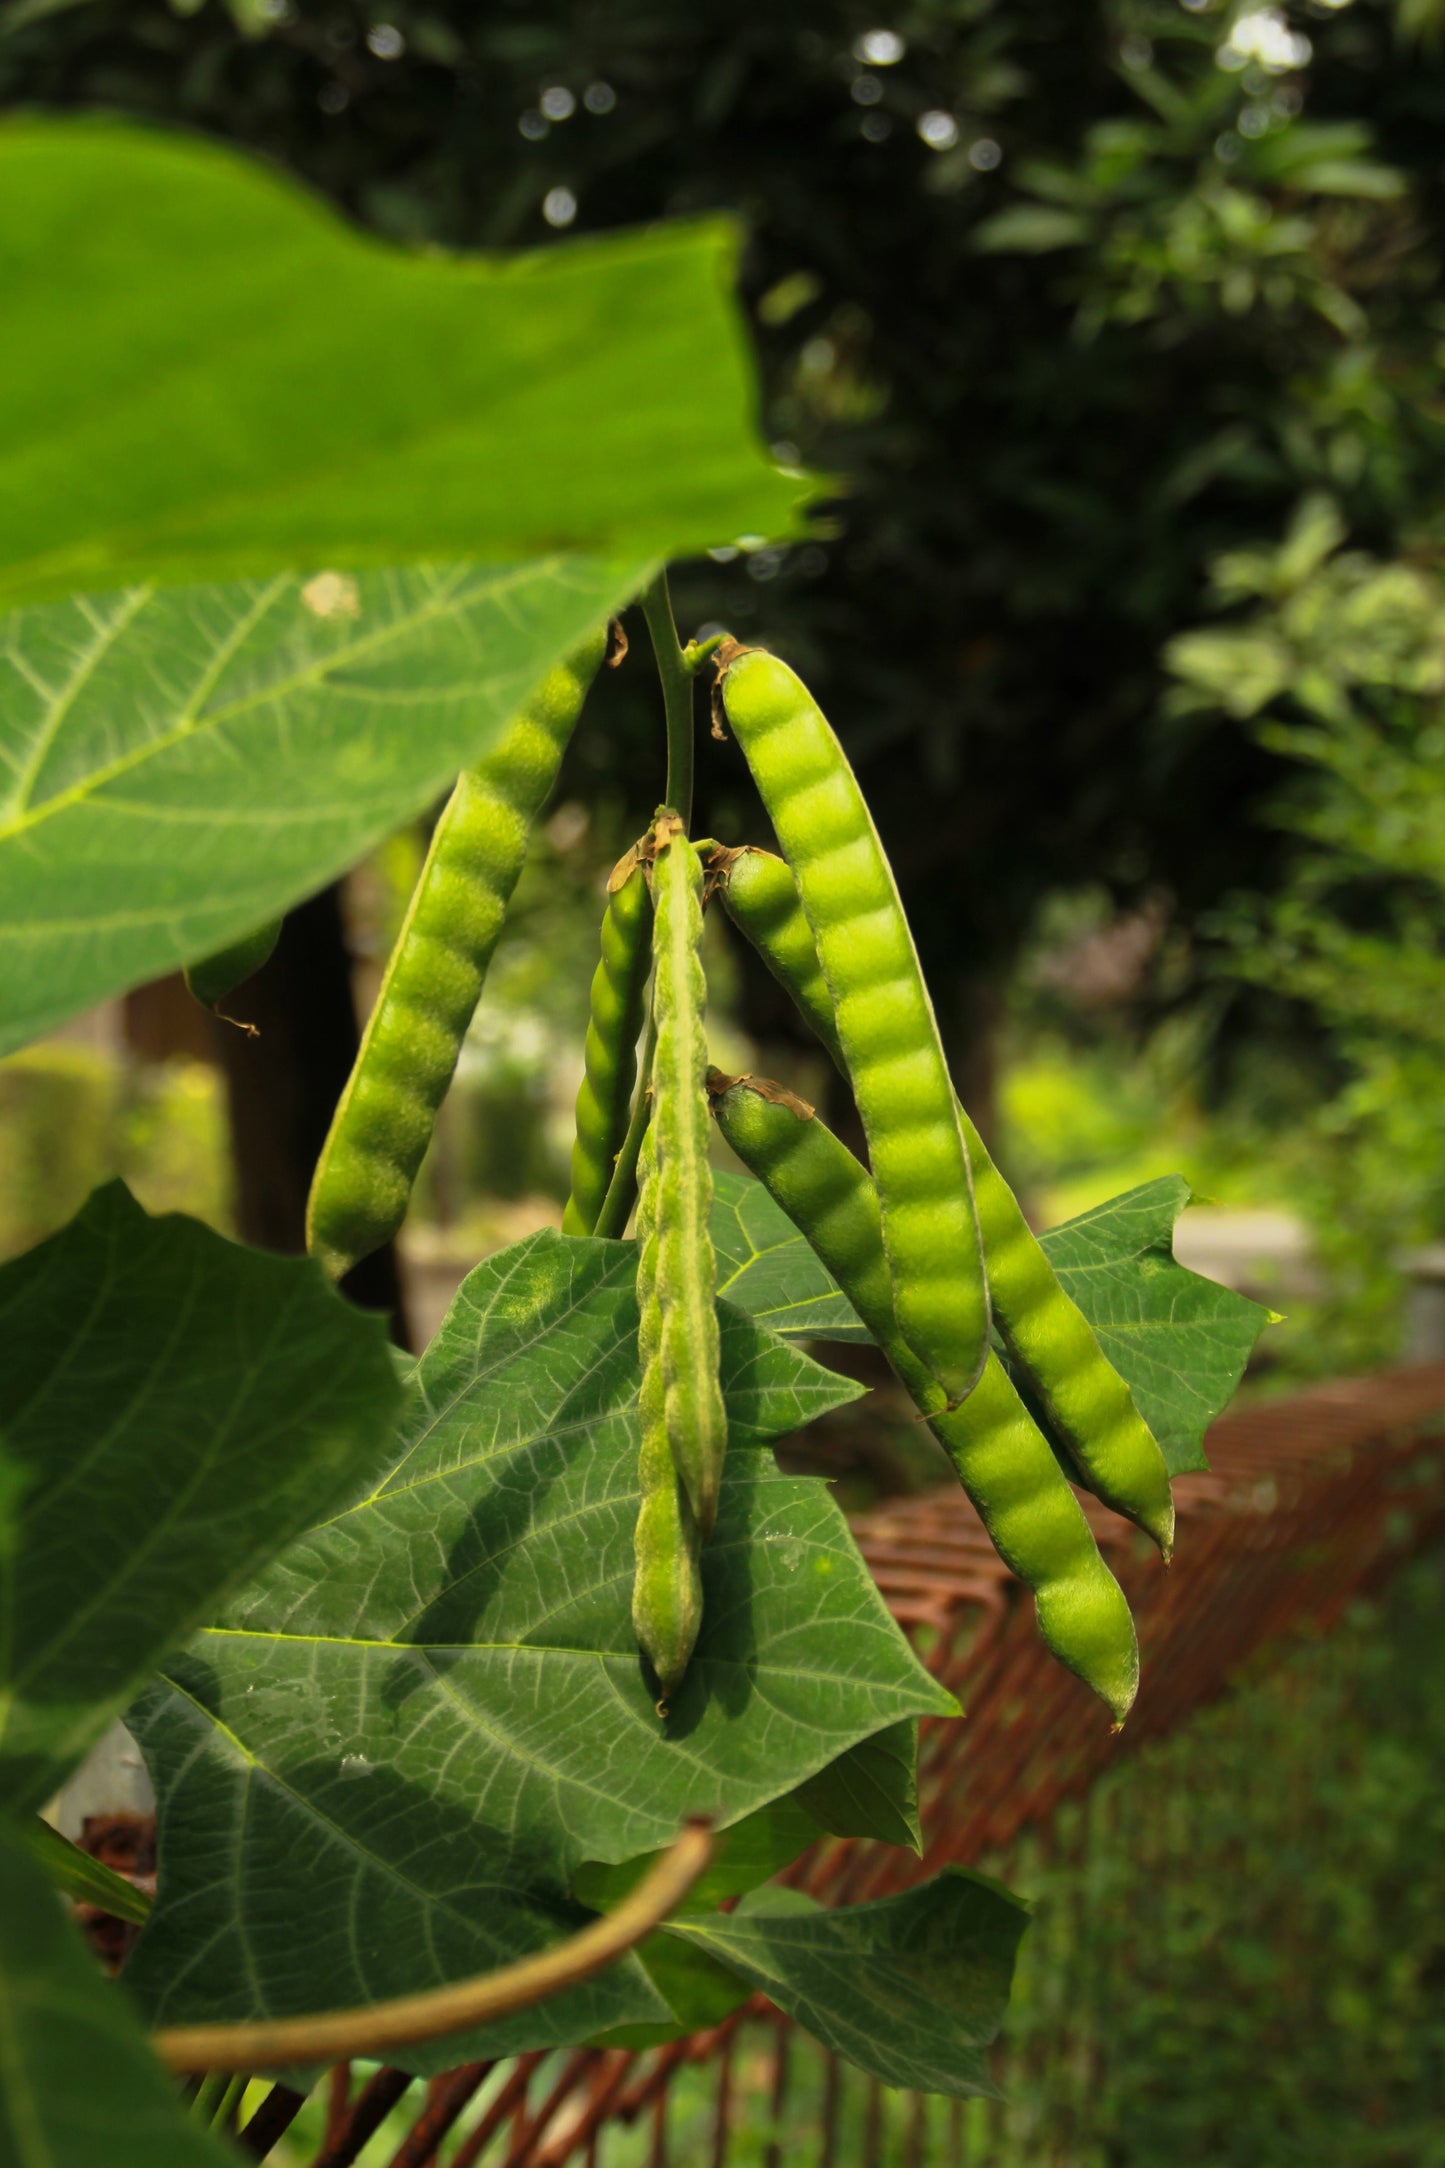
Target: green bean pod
885	1021
686	1264
609	1060
214	977
384	1119
1045	1331
1050	1338
667	1543
760	896
1002	1458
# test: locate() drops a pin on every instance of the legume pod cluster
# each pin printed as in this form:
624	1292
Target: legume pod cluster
934	1248
930	1247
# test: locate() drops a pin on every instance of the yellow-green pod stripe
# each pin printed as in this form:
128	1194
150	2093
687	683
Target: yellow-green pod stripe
885	1020
619	995
686	1264
1002	1458
1043	1328
384	1119
667	1544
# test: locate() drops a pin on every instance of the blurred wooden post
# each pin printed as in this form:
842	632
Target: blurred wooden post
283	1085
832	2088
722	2113
778	2094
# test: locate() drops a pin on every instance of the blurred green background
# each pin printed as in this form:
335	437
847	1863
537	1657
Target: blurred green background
1236	1957
1120	328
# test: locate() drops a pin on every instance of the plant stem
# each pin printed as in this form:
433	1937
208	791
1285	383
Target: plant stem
228	2113
622	1189
339	2035
676	695
208	2101
675	668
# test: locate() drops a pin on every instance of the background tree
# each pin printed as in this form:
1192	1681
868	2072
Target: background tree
1069	303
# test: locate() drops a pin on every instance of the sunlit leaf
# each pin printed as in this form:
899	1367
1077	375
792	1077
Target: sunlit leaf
419	1723
177	766
228	380
767	1267
1179	1341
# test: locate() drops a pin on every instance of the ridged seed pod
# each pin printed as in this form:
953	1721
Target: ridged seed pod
667	1545
1044	1329
385	1116
884	1018
683	1416
618	1002
1002	1458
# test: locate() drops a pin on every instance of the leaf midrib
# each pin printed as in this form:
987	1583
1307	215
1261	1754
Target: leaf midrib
261	1772
103	637
192	725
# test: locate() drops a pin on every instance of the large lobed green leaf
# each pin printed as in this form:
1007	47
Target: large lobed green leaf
1179	1341
177	1408
222	378
766	1266
78	2085
871	1791
385	1764
178	766
912	1988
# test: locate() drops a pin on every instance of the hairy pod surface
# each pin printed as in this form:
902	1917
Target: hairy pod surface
1002	1458
385	1117
686	1263
1043	1328
667	1544
609	1061
884	1019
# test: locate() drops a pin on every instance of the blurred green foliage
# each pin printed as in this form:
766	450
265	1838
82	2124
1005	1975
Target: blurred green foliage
1106	320
71	1117
1071	301
1335	658
1237	1955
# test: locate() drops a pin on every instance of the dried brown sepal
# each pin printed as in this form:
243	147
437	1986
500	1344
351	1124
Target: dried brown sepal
624	869
777	1095
718	860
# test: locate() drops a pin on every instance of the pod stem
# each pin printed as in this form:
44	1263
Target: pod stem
622	1189
676	695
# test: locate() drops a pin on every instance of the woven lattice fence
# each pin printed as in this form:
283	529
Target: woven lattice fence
1311	1501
